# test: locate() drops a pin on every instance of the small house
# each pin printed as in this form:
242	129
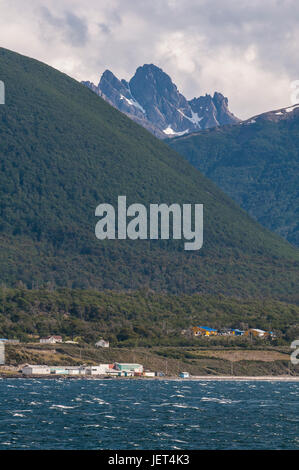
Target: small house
101	369
256	333
184	375
102	344
51	340
204	331
75	370
128	367
148	373
236	332
36	370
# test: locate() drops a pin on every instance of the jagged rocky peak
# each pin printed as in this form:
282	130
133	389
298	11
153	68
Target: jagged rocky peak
150	85
109	83
153	100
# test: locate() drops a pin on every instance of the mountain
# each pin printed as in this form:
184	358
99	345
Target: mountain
63	151
256	163
151	99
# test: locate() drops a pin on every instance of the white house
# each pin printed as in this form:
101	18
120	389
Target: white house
102	344
184	375
257	332
51	340
75	370
101	369
36	370
47	370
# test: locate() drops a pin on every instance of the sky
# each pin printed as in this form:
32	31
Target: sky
245	49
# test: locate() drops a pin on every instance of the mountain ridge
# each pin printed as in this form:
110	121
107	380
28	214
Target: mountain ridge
154	101
63	150
256	162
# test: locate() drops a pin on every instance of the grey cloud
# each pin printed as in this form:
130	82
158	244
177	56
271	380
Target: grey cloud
245	49
104	28
271	25
77	30
73	28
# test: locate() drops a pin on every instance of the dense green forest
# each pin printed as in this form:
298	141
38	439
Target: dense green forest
138	318
63	151
257	165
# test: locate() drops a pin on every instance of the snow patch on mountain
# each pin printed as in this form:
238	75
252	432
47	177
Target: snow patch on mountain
291	108
195	119
170	132
133	102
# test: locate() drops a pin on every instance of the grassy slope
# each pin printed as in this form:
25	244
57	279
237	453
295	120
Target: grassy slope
63	151
274	361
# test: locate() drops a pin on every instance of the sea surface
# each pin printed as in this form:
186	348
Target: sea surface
148	414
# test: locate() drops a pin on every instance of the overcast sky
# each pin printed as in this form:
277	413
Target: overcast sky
247	50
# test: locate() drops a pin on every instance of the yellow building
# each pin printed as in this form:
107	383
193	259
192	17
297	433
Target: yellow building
204	331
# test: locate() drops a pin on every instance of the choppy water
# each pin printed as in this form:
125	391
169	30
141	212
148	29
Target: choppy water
140	414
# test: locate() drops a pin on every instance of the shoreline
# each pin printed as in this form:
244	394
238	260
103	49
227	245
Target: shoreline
277	378
200	378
